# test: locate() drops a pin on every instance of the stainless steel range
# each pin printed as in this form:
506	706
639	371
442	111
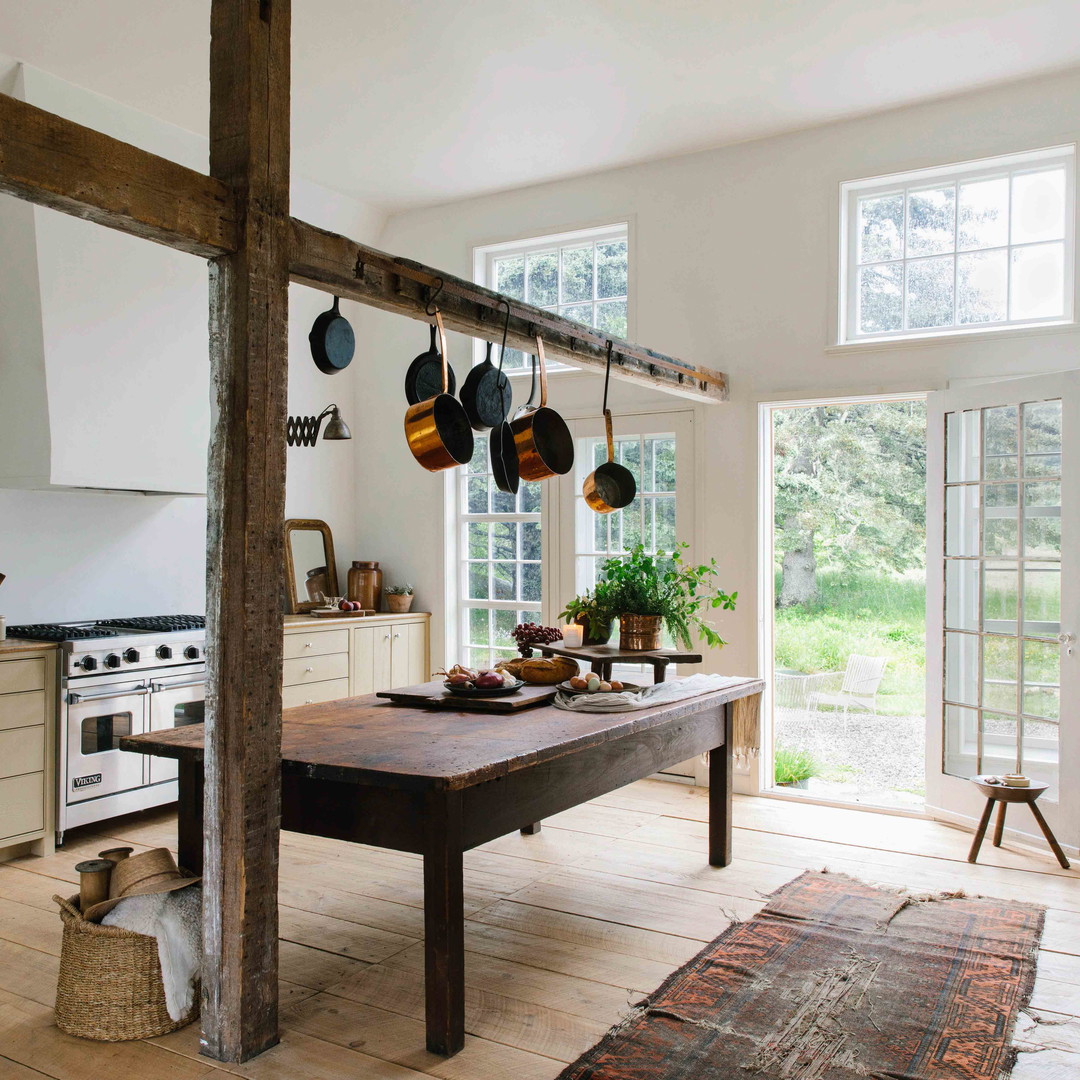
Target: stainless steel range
120	677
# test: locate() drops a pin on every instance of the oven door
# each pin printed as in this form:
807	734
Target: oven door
175	701
97	719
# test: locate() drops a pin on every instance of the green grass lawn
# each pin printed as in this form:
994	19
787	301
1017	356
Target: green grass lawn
873	615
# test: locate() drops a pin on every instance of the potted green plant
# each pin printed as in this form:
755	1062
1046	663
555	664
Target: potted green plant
592	611
650	592
399	598
793	768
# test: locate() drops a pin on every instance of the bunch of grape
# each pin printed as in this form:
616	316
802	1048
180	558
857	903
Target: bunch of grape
528	634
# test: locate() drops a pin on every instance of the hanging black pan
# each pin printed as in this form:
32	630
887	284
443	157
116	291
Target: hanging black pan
610	486
486	394
332	340
424	379
502	451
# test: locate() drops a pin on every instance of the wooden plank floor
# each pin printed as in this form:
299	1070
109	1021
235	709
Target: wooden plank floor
565	930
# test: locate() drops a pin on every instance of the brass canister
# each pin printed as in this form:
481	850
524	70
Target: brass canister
640	632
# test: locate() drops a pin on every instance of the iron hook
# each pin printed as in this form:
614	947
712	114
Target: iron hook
430	309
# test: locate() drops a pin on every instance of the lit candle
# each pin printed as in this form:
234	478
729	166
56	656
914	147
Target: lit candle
573	635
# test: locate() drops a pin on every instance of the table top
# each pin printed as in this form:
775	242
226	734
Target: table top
1005	793
364	740
614	655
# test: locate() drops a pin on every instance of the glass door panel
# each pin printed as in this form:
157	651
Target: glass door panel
1005	492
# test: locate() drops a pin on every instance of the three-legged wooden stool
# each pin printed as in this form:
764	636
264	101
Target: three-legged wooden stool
1002	794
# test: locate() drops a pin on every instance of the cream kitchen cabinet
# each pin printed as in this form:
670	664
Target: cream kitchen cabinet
27	731
325	659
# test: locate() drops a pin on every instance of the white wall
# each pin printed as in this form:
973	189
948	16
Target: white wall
735	260
77	556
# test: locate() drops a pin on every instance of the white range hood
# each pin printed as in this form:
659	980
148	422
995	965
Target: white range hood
104	368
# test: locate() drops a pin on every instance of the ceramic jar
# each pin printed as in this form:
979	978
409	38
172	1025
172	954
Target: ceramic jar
365	585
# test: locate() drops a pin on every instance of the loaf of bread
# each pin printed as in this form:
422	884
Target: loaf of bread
541	672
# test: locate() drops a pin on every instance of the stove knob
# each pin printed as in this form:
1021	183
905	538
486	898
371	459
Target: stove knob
164	652
131	656
87	663
112	660
191	652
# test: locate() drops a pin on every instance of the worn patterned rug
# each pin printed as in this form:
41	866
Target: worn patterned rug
838	980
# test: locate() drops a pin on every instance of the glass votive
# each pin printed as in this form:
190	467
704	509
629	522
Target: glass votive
573	635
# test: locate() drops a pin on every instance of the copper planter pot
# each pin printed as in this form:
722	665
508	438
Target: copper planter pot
640	632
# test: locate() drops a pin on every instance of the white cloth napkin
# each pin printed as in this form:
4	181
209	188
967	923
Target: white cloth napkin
646	698
175	919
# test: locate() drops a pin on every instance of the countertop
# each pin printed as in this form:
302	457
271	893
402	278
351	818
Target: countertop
306	622
14	644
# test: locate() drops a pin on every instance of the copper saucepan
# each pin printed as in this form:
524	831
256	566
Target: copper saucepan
610	486
545	447
438	429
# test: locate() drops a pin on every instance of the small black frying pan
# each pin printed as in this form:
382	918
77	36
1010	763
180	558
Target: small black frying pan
609	486
486	394
424	379
502	450
333	342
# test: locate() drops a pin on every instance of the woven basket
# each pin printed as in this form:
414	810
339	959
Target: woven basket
110	986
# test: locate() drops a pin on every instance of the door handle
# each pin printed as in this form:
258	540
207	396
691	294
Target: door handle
157	687
1069	641
142	691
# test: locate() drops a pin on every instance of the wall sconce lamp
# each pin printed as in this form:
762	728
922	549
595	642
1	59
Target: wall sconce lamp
304	430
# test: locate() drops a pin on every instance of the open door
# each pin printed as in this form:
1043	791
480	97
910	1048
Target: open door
1003	585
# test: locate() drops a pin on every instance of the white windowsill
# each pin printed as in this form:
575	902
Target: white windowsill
946	337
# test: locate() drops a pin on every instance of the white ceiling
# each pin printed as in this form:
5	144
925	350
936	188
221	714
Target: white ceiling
403	103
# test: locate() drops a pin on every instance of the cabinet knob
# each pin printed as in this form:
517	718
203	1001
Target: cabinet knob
309	669
397	635
309	701
386	637
308	644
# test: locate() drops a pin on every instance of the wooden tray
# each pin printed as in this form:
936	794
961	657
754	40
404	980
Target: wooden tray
433	695
318	613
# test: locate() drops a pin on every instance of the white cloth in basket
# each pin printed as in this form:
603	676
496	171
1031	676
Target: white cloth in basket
175	919
647	698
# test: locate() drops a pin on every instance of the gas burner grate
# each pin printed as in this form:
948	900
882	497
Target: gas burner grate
159	623
59	632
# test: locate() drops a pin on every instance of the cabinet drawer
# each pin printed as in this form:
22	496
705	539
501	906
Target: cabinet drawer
19	675
22	750
316	643
310	693
22	710
22	805
309	669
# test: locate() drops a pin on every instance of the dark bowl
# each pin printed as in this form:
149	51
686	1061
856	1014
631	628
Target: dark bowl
484	691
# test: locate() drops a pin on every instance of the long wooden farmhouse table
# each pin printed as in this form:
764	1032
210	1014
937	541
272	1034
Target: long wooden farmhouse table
438	782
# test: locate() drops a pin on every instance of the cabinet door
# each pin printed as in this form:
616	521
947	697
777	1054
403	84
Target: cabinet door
363	659
410	652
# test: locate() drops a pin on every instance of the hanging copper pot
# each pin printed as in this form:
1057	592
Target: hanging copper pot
545	447
610	486
438	429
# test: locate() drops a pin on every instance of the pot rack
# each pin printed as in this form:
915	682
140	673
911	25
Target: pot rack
57	163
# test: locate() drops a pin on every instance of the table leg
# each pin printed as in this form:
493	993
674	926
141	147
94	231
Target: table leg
189	819
444	925
598	667
659	672
980	832
530	830
999	823
720	791
1055	847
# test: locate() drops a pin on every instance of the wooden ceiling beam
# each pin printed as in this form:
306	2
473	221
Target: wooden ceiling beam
335	264
57	163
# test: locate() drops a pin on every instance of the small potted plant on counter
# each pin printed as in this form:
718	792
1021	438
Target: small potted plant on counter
592	611
793	768
650	592
399	598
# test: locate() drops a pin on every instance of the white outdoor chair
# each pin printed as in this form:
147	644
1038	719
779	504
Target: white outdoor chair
858	685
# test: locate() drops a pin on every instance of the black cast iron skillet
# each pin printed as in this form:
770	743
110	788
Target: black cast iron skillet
486	394
502	447
424	379
332	340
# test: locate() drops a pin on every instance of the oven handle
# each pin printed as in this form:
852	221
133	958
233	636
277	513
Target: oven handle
158	686
142	691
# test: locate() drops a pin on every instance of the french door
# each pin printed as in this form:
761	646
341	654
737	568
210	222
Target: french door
1003	595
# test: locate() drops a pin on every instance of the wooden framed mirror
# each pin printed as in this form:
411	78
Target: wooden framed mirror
310	569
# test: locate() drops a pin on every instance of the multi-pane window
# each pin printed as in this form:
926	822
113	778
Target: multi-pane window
1003	590
582	275
648	520
967	247
501	565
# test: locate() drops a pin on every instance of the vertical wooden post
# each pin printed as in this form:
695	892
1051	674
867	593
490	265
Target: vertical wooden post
249	150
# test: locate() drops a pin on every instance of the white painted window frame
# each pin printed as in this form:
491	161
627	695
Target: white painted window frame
1006	165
